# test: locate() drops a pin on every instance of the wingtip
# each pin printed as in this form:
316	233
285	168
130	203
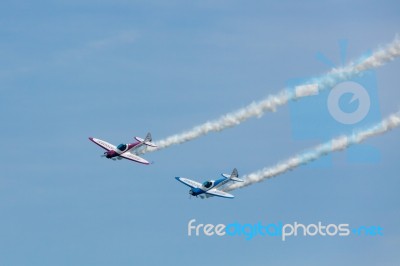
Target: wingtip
145	162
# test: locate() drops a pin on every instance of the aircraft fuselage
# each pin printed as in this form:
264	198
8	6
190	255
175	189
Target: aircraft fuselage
122	148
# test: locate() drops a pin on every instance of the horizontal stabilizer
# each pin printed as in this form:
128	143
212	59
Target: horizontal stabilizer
237	179
147	140
234	176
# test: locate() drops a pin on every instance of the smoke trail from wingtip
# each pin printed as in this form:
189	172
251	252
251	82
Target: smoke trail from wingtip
334	145
257	109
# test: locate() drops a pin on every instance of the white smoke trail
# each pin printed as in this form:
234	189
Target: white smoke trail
335	144
378	58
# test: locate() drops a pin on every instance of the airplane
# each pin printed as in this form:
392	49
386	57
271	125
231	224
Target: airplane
124	150
209	188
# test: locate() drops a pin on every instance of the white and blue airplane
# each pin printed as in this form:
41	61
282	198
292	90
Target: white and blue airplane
209	188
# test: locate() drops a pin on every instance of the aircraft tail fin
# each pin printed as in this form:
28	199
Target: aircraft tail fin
234	176
147	140
148	137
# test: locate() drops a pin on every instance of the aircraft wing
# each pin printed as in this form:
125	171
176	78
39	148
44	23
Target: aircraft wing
188	182
104	144
219	193
132	157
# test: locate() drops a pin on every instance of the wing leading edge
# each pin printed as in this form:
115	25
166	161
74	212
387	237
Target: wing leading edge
132	157
219	193
188	182
104	144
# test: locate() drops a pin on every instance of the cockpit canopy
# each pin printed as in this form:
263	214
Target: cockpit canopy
207	184
121	147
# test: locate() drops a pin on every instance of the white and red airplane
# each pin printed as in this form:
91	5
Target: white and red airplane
125	150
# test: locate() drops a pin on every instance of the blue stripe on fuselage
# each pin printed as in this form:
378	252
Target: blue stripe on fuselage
221	182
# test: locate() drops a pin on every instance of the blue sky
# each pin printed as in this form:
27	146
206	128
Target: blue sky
118	69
